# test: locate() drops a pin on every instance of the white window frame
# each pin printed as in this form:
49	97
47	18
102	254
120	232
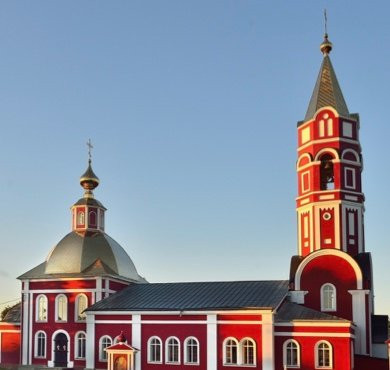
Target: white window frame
241	352
168	349
225	363
187	352
37	308
317	357
76	345
36	347
57	308
353	186
150	361
334	302
103	355
298	348
77	308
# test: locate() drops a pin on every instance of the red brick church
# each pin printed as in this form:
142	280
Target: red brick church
86	306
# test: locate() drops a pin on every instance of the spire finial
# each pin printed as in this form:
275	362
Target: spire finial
88	179
90	147
326	45
326	22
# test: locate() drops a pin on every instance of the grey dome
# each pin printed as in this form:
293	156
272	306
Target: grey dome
77	254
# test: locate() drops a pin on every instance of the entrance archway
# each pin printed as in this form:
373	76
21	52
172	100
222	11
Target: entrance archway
60	350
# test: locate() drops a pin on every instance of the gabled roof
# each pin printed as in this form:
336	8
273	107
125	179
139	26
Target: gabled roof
290	311
196	296
327	92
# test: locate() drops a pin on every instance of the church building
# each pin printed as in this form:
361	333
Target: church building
86	306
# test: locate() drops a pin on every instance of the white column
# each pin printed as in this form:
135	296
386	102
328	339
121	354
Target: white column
90	342
25	344
212	342
99	289
136	339
359	318
267	340
30	298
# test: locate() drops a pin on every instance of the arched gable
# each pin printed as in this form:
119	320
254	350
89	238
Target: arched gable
329	252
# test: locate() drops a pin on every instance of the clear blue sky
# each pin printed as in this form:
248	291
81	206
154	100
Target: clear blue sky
192	108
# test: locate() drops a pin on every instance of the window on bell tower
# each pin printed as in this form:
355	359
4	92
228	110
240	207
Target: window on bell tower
326	173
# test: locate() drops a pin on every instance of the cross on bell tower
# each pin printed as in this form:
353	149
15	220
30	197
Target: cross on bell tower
330	202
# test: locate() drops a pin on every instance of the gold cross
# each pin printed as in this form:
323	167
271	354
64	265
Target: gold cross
90	147
326	22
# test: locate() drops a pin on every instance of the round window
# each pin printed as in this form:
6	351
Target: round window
326	216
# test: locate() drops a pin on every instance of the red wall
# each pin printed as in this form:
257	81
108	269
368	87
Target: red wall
341	352
334	270
181	331
10	344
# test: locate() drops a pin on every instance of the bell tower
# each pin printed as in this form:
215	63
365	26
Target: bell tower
330	202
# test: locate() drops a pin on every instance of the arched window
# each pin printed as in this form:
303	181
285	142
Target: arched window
80	218
291	355
79	341
104	342
41	308
172	351
328	297
61	308
323	355
154	350
191	351
230	351
326	172
92	218
81	305
247	349
40	344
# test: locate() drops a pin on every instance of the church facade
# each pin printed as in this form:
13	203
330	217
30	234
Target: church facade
86	306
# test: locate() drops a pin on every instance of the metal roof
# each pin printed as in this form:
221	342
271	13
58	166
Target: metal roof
92	254
14	313
327	92
290	311
220	295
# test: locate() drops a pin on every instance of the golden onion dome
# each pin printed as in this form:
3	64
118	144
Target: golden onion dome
326	45
88	180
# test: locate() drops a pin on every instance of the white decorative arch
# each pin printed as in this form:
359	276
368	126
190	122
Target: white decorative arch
76	344
102	353
186	351
79	316
328	306
53	337
167	350
316	354
298	348
41	308
37	353
61	310
225	362
329	252
303	155
334	111
327	150
354	153
241	352
152	360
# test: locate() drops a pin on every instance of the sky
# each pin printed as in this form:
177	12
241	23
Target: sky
192	109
